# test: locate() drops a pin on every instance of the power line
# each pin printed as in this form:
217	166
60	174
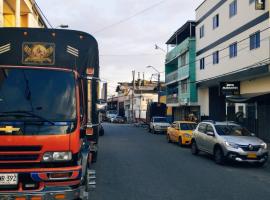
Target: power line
130	17
117	55
223	49
43	14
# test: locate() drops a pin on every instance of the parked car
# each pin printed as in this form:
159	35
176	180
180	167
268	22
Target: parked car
117	119
158	125
181	132
228	140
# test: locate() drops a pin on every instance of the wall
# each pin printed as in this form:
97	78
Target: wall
245	13
1	13
29	16
259	85
203	101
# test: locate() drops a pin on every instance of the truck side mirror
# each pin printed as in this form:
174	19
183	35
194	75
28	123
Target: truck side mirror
101	106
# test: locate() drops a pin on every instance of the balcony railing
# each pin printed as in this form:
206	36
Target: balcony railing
172	77
172	99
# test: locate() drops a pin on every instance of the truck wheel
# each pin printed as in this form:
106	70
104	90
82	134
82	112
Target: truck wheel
94	157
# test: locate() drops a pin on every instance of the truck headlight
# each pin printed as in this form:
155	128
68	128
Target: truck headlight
157	127
264	145
56	156
233	145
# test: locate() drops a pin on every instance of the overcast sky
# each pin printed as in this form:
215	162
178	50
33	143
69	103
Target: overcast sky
128	45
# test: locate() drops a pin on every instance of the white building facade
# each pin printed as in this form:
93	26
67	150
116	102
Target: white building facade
233	49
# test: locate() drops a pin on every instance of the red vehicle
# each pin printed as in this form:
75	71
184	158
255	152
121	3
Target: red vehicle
49	94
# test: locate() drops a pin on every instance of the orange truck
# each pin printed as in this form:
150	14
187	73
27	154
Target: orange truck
50	101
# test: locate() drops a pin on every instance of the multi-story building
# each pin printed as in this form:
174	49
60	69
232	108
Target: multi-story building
180	73
20	13
135	102
232	67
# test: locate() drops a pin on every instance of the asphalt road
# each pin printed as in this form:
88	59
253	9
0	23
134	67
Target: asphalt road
136	165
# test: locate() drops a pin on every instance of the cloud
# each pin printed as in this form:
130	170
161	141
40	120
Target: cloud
129	45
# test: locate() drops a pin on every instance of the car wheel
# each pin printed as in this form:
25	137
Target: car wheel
260	164
168	138
180	142
219	156
194	148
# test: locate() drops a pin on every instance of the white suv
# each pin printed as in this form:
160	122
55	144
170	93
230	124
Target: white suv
228	140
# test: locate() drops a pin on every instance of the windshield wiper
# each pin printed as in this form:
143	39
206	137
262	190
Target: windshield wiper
28	114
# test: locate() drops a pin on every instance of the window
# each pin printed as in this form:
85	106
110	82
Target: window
254	40
202	31
233	50
216	21
202	64
202	128
184	59
209	128
216	57
184	86
233	8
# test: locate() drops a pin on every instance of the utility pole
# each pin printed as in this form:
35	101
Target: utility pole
158	87
132	96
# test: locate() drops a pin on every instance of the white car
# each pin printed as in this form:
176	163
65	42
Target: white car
228	140
158	125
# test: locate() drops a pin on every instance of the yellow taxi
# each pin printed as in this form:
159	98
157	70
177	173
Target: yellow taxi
181	132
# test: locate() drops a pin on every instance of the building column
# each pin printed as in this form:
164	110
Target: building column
18	13
1	13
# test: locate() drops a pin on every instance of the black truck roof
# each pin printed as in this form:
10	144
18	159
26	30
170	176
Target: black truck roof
49	48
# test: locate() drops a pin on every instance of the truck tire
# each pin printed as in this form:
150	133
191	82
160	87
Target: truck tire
94	157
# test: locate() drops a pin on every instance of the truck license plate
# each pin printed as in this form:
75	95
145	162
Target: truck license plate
8	179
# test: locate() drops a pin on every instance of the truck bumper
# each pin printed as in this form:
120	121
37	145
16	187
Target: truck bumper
50	193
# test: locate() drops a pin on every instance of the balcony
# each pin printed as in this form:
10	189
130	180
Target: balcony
172	77
177	50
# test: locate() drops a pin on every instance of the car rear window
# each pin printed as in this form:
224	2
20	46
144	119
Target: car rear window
187	126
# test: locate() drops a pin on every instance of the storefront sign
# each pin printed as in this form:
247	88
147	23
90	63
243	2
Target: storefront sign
260	4
230	88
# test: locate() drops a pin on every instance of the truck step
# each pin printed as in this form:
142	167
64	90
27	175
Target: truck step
92	179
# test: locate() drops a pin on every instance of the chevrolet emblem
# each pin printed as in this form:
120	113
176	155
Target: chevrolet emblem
9	129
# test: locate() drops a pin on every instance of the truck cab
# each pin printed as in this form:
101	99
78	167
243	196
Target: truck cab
48	113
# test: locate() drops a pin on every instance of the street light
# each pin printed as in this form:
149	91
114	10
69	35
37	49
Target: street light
158	47
158	72
62	26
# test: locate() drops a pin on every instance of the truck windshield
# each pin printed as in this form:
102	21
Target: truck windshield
37	95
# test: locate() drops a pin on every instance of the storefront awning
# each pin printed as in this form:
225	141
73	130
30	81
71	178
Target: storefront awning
241	75
244	98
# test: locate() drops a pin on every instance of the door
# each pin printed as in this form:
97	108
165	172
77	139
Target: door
209	140
200	134
173	130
